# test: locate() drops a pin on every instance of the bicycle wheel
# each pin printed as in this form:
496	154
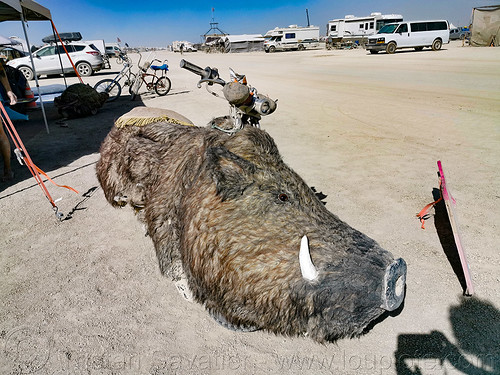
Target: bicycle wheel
134	88
130	79
162	86
109	86
150	80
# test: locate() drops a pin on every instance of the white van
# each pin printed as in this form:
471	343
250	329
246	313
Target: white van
413	34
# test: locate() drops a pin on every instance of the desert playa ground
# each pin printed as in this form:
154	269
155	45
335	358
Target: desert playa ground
85	295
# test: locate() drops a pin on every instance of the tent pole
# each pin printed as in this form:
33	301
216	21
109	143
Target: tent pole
34	72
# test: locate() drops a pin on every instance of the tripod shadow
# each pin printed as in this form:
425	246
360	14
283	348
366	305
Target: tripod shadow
476	329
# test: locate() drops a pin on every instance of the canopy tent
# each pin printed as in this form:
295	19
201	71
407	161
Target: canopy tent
26	10
243	43
15	10
486	26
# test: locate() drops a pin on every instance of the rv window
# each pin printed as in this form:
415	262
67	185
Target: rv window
290	36
333	28
361	26
371	25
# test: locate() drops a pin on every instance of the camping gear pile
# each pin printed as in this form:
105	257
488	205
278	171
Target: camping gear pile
80	100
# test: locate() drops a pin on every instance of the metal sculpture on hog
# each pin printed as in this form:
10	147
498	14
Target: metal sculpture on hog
242	233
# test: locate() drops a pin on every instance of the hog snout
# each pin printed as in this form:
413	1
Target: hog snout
393	290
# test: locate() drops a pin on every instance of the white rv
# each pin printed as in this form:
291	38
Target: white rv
292	37
186	46
358	28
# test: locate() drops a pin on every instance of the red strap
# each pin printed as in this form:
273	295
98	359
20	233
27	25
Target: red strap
65	50
48	178
35	171
422	215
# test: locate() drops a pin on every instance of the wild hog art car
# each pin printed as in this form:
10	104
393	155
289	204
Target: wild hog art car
258	248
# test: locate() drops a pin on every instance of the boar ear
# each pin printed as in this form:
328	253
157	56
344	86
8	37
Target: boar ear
231	173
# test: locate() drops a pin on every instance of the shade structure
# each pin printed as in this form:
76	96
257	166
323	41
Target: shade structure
11	10
26	10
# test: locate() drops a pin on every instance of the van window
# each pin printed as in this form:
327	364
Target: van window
429	26
403	28
388	29
290	36
440	25
416	27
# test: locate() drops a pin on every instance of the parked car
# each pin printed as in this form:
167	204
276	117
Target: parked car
86	57
113	51
413	34
457	33
10	53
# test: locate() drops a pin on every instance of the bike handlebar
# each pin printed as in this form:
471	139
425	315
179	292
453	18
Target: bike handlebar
210	75
193	68
236	93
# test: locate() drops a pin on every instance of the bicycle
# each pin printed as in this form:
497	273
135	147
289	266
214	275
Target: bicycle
112	86
160	84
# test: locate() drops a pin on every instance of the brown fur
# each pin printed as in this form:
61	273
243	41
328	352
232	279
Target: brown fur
215	208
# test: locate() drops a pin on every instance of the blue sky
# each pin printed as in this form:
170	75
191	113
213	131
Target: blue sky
158	23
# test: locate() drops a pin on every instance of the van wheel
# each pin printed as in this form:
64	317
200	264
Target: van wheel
272	49
391	48
301	47
419	48
436	45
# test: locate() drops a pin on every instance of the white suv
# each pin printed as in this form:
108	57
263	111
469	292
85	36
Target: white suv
86	57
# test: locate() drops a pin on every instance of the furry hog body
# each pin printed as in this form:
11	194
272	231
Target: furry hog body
227	212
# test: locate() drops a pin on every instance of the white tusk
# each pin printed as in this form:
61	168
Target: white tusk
307	268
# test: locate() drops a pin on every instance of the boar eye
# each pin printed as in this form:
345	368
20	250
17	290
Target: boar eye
283	197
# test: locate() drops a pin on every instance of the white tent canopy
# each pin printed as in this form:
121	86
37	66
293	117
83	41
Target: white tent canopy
26	10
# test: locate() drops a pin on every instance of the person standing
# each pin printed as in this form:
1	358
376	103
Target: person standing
4	140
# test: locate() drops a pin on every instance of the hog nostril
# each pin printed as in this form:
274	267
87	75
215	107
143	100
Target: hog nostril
394	285
400	286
